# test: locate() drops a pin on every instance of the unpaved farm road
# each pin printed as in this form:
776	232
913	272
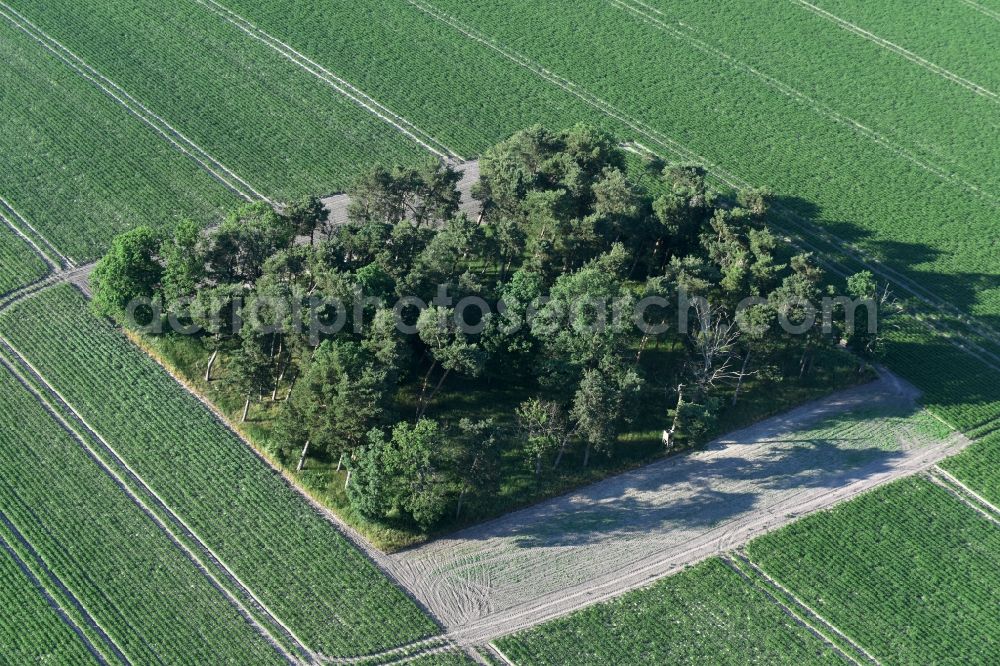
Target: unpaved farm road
625	531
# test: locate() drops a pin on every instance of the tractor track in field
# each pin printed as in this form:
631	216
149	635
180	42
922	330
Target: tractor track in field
131	484
899	50
985	11
771	593
648	14
52	602
346	89
221	173
963	494
18	223
796	608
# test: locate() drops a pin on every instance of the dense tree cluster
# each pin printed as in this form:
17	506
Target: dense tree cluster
573	236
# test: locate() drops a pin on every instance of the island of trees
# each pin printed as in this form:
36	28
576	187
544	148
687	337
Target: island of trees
412	418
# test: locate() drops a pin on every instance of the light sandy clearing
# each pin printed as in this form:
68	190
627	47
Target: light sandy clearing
623	532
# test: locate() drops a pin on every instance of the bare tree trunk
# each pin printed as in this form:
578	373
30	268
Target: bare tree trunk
586	455
668	438
434	393
340	462
739	382
281	374
347	481
246	410
559	456
642	347
302	458
423	389
461	501
211	362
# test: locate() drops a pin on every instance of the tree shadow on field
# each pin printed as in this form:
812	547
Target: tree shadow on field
963	290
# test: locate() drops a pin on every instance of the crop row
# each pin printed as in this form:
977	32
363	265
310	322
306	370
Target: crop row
954	35
707	614
153	603
926	114
274	124
80	167
979	467
907	571
31	630
956	386
293	559
19	264
468	97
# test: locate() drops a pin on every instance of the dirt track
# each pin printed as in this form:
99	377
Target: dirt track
625	531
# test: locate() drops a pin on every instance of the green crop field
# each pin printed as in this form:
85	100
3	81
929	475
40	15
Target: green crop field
707	614
928	116
906	571
283	130
77	165
18	264
105	551
292	558
955	35
979	467
443	659
875	124
31	630
957	387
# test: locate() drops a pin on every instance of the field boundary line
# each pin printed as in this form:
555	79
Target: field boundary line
423	647
769	592
445	647
685	153
993	14
15	220
979	498
962	499
342	86
788	90
54	603
500	653
971	497
134	107
133	494
899	50
770	580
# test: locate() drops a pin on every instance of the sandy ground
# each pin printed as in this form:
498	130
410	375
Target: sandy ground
625	531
